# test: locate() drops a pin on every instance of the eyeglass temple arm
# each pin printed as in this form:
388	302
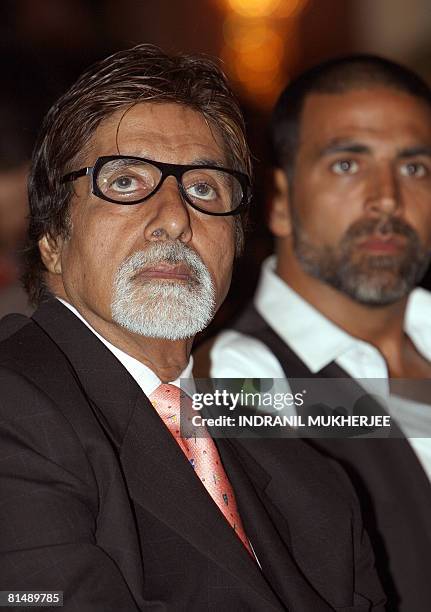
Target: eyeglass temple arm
72	176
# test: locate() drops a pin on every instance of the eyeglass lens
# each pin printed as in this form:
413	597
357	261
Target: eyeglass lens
128	180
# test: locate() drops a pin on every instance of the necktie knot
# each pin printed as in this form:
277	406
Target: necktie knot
166	399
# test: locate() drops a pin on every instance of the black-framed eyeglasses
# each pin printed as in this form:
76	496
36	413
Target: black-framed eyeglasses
122	179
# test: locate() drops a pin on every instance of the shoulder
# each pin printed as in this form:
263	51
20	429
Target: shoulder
12	323
22	346
25	348
33	372
38	389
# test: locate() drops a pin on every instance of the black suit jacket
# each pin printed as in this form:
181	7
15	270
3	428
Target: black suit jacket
393	489
98	500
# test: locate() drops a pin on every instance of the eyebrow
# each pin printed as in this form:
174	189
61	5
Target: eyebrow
356	147
205	161
343	146
415	151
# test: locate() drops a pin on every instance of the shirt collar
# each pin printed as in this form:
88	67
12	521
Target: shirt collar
313	337
143	375
417	322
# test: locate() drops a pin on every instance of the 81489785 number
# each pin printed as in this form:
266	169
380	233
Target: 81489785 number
31	598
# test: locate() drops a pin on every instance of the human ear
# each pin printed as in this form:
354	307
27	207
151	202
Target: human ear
50	250
280	222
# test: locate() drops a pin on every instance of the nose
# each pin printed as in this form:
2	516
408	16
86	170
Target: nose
384	197
168	215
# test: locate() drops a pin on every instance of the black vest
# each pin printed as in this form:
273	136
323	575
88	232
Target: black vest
393	489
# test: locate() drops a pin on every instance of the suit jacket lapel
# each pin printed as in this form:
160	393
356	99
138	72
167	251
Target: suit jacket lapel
158	475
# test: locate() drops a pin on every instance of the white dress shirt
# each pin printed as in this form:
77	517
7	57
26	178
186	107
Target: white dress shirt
144	376
318	342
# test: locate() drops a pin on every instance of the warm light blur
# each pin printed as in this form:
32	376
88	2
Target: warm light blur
289	8
259	80
260	45
254	54
279	9
258	41
254	8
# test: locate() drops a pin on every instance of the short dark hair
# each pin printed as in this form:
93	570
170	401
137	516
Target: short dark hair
334	76
143	73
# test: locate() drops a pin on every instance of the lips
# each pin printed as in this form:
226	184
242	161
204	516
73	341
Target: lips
165	271
378	243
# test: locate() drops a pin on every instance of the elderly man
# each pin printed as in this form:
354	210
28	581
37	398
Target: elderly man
351	213
137	179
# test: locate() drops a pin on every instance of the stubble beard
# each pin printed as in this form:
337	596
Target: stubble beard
372	280
168	309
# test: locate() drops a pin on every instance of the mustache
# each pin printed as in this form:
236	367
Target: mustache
163	252
383	226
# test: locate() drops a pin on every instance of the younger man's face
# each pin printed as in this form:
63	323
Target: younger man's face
361	193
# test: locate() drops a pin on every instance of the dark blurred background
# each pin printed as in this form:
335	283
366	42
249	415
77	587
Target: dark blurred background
262	44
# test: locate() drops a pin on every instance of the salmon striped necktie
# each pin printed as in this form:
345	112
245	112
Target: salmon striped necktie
202	455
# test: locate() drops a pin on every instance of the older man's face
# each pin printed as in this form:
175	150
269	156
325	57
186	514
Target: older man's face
159	268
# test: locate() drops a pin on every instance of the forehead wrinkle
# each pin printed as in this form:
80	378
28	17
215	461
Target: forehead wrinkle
188	118
352	134
117	131
136	138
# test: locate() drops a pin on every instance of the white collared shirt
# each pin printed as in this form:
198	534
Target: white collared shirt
143	375
318	342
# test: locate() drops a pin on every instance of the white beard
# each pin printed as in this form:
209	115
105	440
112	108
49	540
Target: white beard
163	308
